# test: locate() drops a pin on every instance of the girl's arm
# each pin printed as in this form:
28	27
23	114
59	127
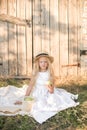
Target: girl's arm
28	91
30	87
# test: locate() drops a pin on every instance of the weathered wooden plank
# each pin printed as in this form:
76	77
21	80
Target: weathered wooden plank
12	39
83	36
13	19
79	34
28	36
45	25
63	39
54	34
21	39
4	39
72	35
1	48
36	27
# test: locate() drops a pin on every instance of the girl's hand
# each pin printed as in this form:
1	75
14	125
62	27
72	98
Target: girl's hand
50	87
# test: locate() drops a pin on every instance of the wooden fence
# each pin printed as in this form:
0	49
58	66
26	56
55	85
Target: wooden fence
30	26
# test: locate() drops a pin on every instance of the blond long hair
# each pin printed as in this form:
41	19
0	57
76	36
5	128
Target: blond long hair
36	69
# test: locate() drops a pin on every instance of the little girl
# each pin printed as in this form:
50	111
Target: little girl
48	99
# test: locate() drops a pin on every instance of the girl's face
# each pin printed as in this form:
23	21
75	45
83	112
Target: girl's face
43	64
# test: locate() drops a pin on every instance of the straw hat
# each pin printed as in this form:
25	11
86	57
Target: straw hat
44	54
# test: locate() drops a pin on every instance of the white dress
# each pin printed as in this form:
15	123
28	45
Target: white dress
46	104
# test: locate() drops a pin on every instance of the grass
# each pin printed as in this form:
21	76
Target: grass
70	119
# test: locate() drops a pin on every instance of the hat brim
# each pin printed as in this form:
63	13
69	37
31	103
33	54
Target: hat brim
49	57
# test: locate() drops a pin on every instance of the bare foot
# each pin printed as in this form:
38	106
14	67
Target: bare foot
18	103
